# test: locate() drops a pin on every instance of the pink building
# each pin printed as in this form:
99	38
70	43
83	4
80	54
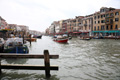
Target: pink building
3	24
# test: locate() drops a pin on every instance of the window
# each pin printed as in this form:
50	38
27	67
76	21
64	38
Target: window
102	27
107	15
95	17
79	20
101	16
111	27
116	19
116	26
98	17
104	15
111	14
107	20
89	27
102	21
102	10
98	27
117	13
95	28
111	20
107	27
98	21
95	22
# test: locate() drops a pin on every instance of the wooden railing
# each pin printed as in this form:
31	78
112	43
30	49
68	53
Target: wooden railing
46	66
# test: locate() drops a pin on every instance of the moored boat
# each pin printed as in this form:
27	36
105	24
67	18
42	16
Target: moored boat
60	39
39	36
84	38
31	39
15	45
98	37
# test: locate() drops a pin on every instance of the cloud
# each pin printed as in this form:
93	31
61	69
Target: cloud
39	14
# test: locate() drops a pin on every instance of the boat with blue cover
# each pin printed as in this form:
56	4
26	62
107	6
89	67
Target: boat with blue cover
15	45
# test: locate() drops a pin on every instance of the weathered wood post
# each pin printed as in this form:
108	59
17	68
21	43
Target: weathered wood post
30	39
0	64
23	37
47	63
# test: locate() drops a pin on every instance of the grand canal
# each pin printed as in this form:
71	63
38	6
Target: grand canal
78	60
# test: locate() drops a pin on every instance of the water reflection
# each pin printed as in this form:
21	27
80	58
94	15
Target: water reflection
22	76
16	61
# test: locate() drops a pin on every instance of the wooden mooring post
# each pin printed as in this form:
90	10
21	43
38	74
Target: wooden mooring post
47	63
30	39
47	67
0	65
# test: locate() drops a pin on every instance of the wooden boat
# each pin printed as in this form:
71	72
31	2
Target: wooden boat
98	37
84	38
32	39
39	36
60	39
15	45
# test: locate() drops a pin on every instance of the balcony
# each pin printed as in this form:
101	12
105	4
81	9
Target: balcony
111	22
109	17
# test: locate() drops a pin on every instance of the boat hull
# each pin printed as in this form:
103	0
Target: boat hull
39	37
18	49
32	39
61	40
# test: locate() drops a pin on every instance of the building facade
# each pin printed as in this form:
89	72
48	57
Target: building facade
106	22
3	24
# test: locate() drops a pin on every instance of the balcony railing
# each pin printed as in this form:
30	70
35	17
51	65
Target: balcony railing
111	22
109	16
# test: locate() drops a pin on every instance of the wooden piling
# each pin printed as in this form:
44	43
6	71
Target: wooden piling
0	65
23	38
47	63
30	39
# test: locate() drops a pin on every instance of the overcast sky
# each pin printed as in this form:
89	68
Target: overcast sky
39	14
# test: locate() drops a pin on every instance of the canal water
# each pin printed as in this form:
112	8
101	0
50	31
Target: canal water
78	60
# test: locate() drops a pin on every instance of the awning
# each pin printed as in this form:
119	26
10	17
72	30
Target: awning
113	31
80	32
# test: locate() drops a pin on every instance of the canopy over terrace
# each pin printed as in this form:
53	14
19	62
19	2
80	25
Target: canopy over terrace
117	32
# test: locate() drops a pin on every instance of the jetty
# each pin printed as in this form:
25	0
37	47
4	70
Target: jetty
47	67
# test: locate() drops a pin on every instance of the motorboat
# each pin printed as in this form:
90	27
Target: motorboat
40	36
60	39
